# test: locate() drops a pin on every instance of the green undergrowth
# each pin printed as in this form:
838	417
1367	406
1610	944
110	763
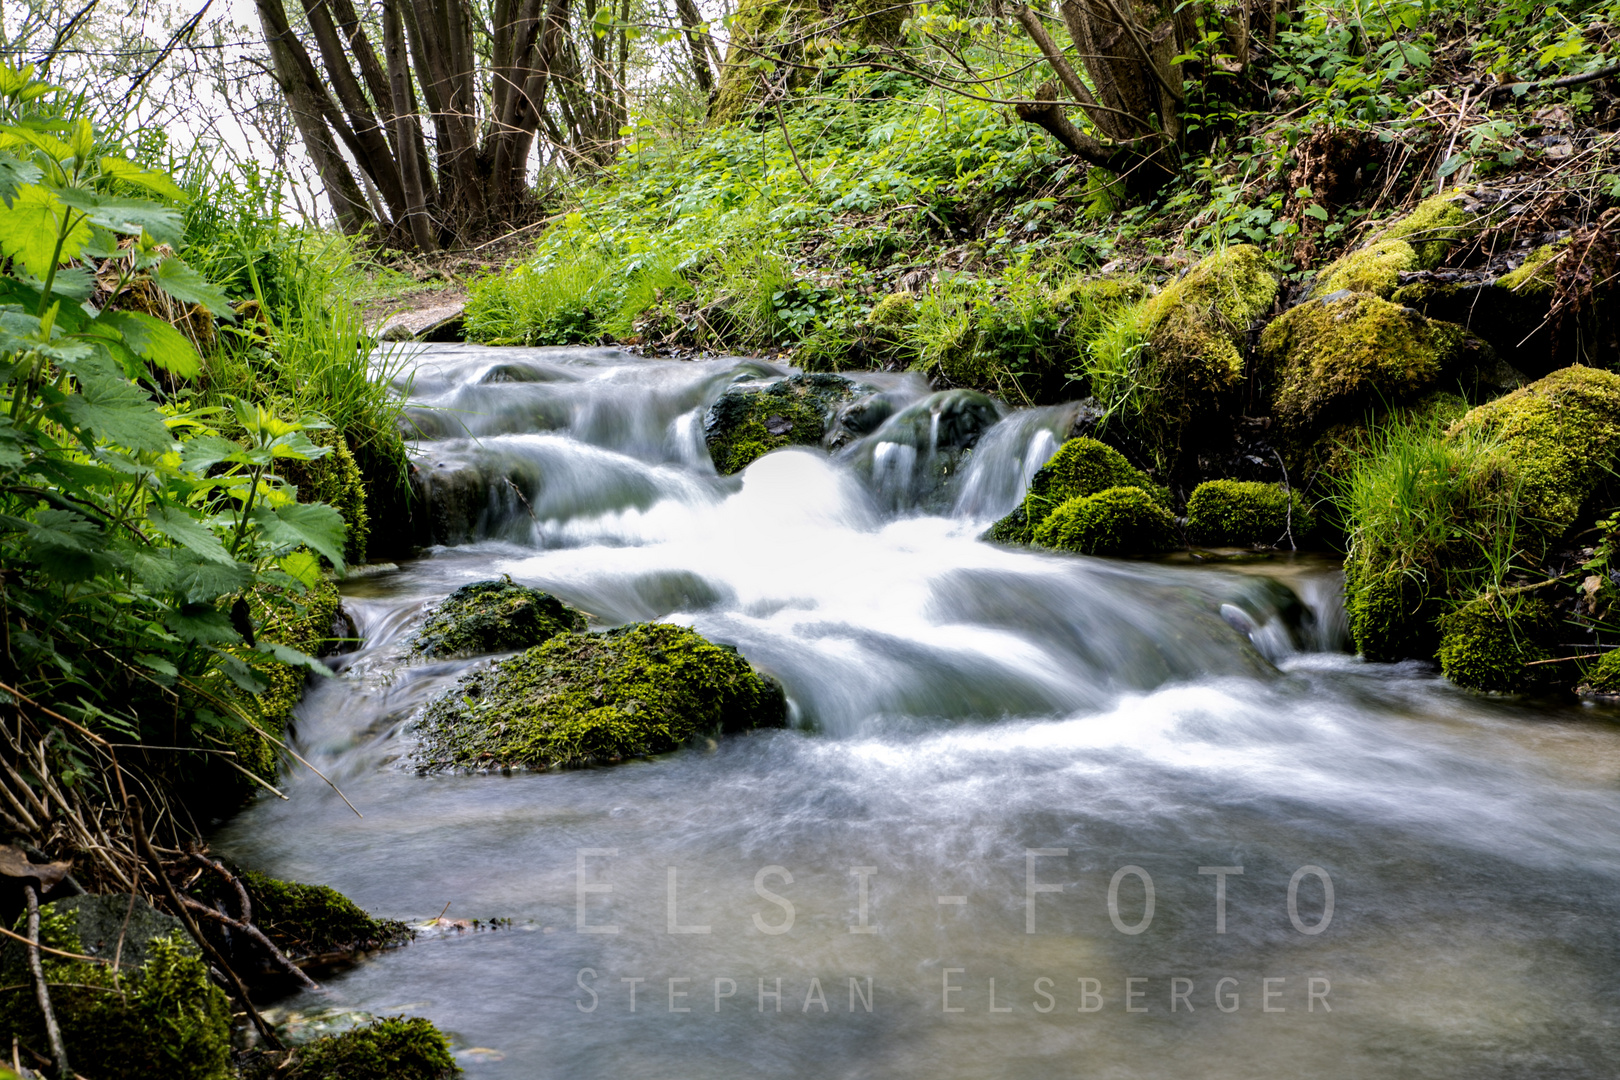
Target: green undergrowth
580	699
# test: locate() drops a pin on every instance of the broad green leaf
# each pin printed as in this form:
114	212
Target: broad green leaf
66	545
13	445
110	407
199	455
14	173
156	341
82	140
190	533
202	581
43	141
303	566
184	284
240	673
293	657
131	173
74	283
296	445
127	215
314	525
30	227
201	624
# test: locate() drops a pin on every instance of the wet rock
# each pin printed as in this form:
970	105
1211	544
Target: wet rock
581	699
315	920
96	923
1486	643
494	616
1081	467
750	420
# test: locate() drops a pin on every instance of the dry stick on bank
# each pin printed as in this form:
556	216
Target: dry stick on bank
52	1032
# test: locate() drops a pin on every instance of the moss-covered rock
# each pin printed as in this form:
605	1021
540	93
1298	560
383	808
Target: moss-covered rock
315	920
895	311
1082	466
1117	521
390	1048
1416	241
1486	643
1538	274
162	1017
749	421
1559	438
334	479
580	699
1184	348
1334	360
1603	677
1246	512
494	616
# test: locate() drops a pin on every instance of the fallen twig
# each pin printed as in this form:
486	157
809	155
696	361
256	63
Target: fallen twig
41	991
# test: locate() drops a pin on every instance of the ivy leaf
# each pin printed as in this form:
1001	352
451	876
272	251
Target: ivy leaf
29	228
128	216
189	533
156	341
313	525
110	407
183	283
131	173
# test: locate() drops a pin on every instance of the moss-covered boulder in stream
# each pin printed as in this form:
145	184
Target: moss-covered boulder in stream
159	1016
1082	466
1181	351
316	920
494	616
389	1048
1221	512
750	420
584	699
1117	521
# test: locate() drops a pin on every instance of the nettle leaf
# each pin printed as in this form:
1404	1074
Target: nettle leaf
240	673
43	141
293	657
128	216
74	282
201	624
201	580
199	455
131	173
189	532
13	444
313	525
156	341
66	545
304	567
108	406
14	173
296	445
183	283
30	226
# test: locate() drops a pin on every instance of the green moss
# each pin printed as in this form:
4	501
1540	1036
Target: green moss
1334	360
494	616
1118	521
314	920
1012	529
1486	643
748	422
1603	677
757	28
391	1048
1433	226
1559	438
334	479
1374	269
1245	512
164	1018
894	311
1082	466
1184	349
1389	609
642	689
1538	274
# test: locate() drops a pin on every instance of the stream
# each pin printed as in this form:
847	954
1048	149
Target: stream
990	844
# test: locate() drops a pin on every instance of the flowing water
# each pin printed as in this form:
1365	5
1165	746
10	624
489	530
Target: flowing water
926	875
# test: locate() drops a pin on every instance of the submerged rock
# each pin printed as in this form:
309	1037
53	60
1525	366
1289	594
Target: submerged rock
581	699
750	420
494	616
1117	521
1239	512
315	920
